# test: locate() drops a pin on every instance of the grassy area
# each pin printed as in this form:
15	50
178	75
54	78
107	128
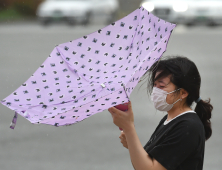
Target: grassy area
10	14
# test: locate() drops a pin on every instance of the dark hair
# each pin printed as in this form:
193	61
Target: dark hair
184	74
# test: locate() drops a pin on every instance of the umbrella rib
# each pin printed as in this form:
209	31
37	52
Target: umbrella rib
77	107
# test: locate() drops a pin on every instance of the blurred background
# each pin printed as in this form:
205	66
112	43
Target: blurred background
29	30
188	12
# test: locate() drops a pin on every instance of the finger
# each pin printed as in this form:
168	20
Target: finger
123	139
129	105
115	110
125	145
123	142
111	111
122	134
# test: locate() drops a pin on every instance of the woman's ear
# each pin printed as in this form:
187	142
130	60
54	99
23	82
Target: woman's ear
183	93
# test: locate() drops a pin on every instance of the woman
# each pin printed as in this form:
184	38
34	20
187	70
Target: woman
179	140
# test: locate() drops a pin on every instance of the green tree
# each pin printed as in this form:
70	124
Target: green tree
24	7
27	7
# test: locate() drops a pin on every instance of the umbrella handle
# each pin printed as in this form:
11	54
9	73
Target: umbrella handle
120	129
122	107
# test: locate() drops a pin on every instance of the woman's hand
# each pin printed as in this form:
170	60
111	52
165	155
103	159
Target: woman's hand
123	139
123	119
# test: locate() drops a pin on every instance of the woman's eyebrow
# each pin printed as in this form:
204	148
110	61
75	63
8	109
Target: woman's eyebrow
161	81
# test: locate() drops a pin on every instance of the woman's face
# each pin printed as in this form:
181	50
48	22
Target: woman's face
166	85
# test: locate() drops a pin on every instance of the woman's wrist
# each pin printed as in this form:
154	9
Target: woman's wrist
129	128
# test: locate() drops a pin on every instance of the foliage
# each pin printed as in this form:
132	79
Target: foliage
9	13
27	7
24	7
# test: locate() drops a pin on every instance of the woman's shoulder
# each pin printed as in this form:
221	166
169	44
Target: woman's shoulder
189	122
190	118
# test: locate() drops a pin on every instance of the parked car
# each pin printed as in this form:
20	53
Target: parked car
186	12
76	11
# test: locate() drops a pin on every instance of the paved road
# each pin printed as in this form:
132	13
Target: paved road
94	143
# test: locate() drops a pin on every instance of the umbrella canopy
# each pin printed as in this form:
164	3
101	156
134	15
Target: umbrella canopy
93	73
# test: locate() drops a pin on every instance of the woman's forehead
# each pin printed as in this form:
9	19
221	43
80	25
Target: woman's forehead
162	79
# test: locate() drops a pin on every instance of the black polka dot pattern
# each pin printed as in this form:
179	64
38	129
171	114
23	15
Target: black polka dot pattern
85	76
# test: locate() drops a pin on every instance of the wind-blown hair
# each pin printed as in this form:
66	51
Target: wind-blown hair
184	74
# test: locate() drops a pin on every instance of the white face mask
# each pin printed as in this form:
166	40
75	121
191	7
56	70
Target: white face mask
158	98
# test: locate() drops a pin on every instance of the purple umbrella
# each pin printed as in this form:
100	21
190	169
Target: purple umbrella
93	73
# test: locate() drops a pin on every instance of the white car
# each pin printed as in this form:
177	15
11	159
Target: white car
186	11
80	11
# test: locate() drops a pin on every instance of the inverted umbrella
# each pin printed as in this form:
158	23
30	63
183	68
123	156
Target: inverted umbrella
93	73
